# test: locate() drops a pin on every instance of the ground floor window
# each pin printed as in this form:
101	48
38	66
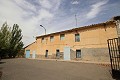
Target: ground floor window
57	53
46	54
78	53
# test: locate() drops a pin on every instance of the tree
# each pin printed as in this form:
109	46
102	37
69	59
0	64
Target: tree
21	53
10	40
16	43
4	39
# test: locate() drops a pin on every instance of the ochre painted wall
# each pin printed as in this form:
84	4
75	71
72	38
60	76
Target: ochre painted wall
32	47
92	39
89	38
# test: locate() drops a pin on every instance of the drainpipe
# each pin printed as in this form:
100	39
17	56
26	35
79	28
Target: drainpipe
118	34
118	31
118	27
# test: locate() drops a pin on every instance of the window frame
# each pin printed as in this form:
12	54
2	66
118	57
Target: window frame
76	37
51	38
57	53
78	50
62	36
46	53
42	40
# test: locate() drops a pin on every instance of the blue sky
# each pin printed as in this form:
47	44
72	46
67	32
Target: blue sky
55	15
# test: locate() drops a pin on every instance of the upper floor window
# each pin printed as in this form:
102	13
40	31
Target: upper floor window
42	40
77	38
62	36
51	38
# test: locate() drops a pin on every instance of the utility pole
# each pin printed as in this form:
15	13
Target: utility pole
76	19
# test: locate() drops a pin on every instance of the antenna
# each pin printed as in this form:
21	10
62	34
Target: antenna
76	20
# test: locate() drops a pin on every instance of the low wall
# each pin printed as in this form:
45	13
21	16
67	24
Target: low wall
53	56
87	54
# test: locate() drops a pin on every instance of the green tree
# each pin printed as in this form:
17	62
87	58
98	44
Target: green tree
4	39
16	43
10	40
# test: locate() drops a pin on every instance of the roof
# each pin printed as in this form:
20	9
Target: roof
111	21
80	28
115	18
29	45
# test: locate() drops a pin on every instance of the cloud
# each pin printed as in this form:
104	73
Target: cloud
28	15
23	4
96	9
44	14
54	15
45	4
75	2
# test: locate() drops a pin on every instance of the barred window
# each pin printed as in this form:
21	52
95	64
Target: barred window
78	53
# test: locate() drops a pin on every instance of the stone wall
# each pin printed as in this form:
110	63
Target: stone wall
95	54
53	56
92	54
87	54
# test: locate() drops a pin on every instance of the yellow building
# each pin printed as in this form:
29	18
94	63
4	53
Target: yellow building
87	43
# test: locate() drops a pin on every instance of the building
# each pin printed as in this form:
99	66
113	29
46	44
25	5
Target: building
88	43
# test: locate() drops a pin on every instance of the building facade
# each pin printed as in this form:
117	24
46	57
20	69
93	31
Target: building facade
88	43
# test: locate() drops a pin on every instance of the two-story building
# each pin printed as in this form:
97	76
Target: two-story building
87	43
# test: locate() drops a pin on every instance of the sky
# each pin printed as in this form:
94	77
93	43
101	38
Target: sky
55	15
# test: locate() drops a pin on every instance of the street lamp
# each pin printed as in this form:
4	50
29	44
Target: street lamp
44	28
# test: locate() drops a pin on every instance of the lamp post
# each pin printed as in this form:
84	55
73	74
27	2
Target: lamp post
44	28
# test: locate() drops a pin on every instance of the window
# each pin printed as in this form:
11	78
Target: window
46	54
77	38
57	53
42	40
78	53
62	36
51	38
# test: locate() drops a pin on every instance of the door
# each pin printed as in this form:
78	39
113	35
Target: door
78	53
46	54
27	54
67	53
33	55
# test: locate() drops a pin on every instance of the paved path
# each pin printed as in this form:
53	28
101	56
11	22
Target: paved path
27	69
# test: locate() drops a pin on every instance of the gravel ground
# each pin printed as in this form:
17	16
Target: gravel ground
26	69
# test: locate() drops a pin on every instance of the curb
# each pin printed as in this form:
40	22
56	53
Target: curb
105	64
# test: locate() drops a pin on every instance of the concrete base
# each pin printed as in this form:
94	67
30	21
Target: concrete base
87	54
92	54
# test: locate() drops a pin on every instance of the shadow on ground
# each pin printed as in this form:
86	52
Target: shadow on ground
115	74
116	77
0	72
2	62
1	69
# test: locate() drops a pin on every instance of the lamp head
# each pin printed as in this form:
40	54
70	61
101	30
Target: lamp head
41	25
